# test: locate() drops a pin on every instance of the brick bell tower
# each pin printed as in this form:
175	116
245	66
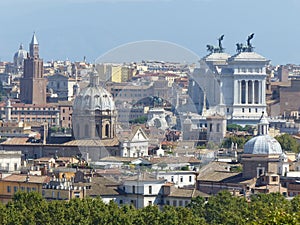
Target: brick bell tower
33	84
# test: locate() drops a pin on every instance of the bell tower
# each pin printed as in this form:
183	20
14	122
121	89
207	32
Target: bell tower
33	84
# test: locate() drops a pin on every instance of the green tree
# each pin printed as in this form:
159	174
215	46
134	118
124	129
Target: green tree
234	127
262	204
288	143
139	120
226	209
241	141
197	206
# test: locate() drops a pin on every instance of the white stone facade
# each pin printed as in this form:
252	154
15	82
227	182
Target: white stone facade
10	160
234	86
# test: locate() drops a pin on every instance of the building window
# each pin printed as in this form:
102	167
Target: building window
249	110
15	189
190	178
149	202
8	189
243	110
121	202
180	202
174	203
256	110
133	189
218	127
227	110
150	189
77	194
167	202
28	189
107	130
181	179
274	179
210	127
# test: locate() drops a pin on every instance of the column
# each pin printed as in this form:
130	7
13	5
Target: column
221	93
263	91
240	92
235	91
259	92
253	92
246	92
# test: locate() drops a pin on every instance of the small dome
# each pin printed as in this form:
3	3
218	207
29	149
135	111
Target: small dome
263	144
19	56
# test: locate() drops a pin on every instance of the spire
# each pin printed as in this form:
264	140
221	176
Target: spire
21	47
34	47
34	40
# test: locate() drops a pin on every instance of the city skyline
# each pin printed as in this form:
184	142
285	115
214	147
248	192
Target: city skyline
73	29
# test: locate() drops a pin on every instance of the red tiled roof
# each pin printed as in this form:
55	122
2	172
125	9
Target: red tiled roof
23	177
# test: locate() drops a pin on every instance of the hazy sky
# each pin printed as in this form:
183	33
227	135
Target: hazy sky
77	28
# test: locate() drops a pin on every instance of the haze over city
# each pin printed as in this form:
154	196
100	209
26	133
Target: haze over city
75	28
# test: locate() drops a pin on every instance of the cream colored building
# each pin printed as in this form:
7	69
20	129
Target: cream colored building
114	72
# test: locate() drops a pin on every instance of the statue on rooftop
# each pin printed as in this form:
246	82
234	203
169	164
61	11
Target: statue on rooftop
220	39
210	48
249	45
240	47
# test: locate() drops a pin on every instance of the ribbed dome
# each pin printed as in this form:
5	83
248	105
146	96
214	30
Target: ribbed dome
19	56
263	144
94	97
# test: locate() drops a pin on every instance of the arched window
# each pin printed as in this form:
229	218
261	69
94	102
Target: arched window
107	130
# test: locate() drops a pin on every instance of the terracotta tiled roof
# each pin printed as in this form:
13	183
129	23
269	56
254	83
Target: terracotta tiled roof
43	159
174	160
116	159
23	177
187	193
90	142
144	177
101	186
215	171
17	141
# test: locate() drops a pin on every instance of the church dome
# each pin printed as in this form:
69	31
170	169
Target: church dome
94	97
19	56
263	143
